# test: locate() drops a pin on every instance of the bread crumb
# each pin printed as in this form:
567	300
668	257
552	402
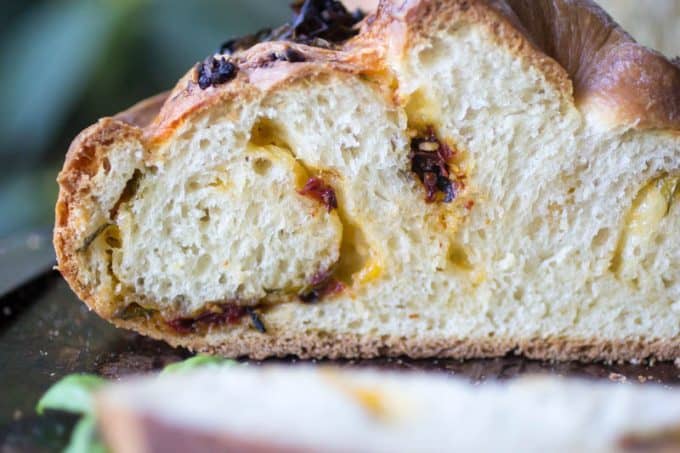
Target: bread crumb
617	377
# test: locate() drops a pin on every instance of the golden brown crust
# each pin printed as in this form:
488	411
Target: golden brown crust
85	156
643	86
574	43
257	74
608	68
242	341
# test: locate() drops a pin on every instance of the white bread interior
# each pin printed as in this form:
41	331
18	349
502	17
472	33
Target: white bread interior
563	243
570	208
252	408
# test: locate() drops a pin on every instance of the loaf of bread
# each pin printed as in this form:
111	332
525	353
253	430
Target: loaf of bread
456	179
293	409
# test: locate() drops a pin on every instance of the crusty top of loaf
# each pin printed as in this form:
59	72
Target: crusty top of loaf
574	42
258	72
605	64
590	56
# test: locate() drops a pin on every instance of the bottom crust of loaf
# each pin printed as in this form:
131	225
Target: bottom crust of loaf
240	342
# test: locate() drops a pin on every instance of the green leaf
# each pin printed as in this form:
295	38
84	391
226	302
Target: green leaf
74	394
198	361
71	394
85	438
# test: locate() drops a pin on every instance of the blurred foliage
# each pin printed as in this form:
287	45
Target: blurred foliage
66	63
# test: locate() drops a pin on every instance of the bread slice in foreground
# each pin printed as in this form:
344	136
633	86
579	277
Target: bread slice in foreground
460	179
277	408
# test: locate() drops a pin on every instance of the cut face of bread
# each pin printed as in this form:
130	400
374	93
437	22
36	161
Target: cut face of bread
460	179
248	409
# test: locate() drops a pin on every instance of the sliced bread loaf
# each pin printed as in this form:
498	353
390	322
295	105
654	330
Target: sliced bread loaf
461	178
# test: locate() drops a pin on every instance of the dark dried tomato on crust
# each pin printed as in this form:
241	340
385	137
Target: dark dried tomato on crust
319	23
291	55
214	71
325	19
288	54
245	42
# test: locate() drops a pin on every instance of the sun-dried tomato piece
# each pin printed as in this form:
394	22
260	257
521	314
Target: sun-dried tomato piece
320	23
181	325
430	161
219	314
322	284
215	71
325	19
318	190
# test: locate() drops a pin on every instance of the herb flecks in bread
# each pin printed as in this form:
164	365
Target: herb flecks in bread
539	168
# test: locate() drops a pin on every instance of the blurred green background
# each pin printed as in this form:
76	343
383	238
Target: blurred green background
66	63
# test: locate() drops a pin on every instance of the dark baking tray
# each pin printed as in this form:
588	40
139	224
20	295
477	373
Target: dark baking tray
46	333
